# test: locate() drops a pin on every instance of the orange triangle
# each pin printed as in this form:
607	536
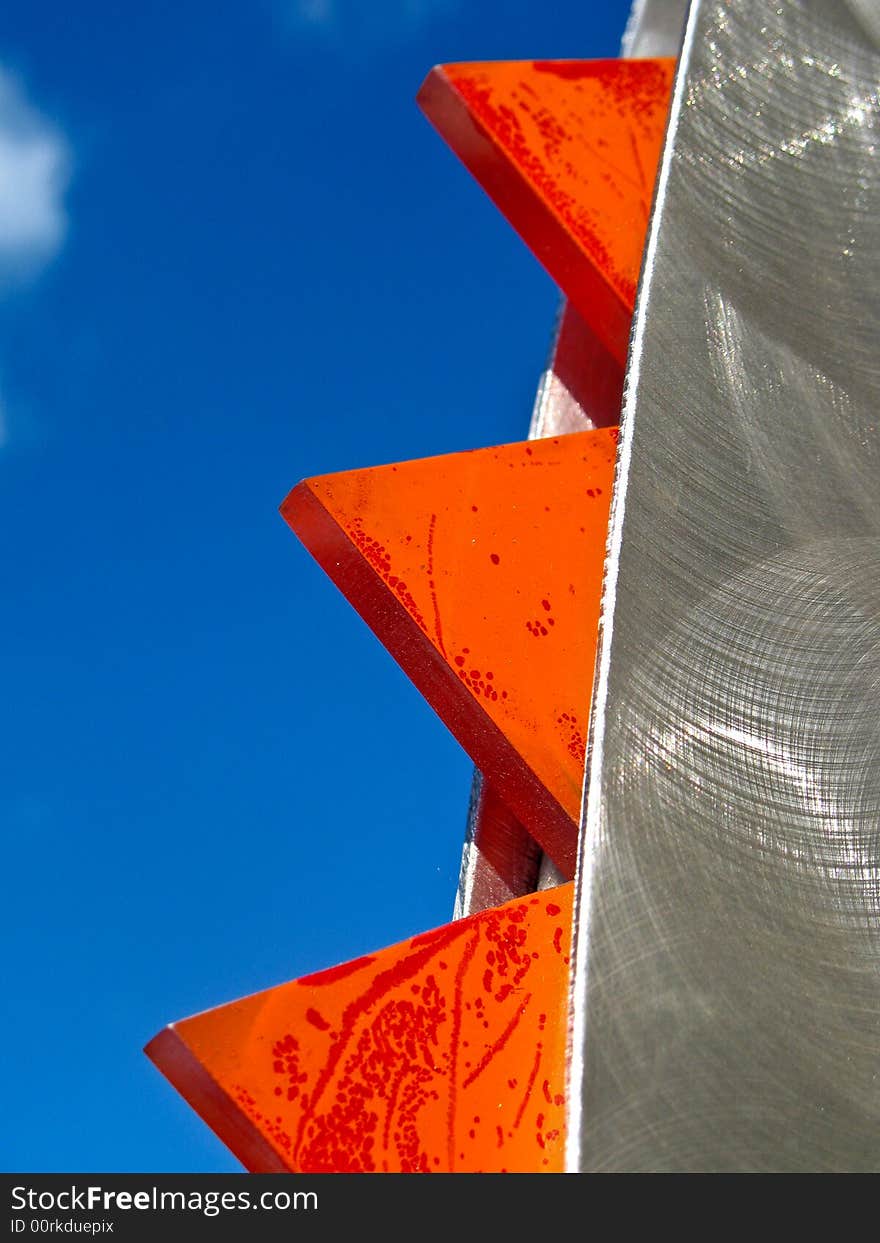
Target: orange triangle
481	573
445	1053
568	150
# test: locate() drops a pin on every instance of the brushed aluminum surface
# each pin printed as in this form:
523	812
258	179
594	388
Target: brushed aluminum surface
727	968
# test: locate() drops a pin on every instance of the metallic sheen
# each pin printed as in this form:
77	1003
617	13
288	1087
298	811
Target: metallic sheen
654	28
727	972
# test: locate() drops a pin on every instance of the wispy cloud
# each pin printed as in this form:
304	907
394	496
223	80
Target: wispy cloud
312	12
351	23
34	173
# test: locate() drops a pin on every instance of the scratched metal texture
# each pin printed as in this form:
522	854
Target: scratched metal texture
727	983
579	389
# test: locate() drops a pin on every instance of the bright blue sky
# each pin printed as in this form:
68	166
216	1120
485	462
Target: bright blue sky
232	253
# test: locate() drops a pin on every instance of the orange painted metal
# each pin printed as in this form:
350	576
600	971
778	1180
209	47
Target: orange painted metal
481	573
444	1053
568	150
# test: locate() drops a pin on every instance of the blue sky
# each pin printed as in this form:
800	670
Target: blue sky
232	254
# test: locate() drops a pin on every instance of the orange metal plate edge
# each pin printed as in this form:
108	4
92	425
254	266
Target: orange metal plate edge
500	999
216	1108
389	620
510	191
584	281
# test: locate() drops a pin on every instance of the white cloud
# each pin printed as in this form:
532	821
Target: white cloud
34	173
350	23
314	12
